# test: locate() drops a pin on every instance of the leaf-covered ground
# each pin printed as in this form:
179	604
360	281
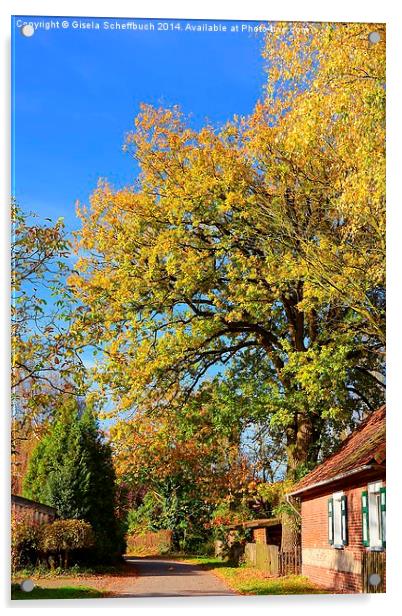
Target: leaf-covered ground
250	581
103	581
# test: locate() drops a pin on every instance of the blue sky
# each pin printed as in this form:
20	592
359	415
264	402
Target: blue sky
76	93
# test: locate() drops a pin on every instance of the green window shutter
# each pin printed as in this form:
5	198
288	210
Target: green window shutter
331	521
365	519
344	520
383	515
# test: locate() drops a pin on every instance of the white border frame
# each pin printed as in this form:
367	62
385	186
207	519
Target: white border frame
293	10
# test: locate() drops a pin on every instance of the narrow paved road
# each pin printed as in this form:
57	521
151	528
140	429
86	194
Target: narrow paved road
169	578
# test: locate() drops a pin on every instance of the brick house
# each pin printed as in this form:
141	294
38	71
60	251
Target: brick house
343	510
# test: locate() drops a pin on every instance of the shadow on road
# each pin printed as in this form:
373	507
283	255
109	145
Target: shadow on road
149	567
164	577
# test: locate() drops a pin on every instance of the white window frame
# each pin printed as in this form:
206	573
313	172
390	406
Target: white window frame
375	518
337	520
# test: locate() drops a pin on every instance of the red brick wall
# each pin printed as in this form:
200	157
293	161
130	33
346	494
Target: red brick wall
260	535
317	551
315	520
338	581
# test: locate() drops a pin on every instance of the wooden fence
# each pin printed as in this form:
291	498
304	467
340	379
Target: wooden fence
289	563
270	559
149	542
373	565
262	556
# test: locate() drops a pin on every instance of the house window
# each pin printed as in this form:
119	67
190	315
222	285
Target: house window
337	520
374	516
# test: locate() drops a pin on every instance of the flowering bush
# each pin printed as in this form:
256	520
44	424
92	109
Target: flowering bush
231	540
25	539
225	515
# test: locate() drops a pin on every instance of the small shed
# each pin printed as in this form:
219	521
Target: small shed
264	530
263	549
343	511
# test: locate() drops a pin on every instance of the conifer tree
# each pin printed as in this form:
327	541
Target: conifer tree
71	469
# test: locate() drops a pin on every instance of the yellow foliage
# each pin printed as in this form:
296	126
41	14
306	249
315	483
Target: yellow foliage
262	234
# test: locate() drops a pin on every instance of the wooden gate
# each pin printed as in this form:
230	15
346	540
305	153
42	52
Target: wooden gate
269	558
289	563
373	565
262	556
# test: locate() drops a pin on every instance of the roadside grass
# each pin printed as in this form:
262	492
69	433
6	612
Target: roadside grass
248	580
65	592
41	571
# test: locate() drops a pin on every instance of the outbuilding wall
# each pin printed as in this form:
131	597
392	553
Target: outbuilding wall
36	513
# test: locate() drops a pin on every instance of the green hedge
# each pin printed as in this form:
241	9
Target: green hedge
62	537
52	543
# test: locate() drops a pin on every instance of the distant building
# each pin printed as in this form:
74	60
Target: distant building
37	513
343	511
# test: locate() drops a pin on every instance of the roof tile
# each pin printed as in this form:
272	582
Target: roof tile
364	446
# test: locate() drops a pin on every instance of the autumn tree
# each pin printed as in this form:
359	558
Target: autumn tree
45	363
179	465
261	241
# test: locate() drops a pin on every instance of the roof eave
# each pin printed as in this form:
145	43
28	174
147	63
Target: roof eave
325	482
262	523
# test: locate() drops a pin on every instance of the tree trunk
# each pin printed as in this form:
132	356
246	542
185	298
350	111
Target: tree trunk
300	451
291	536
300	445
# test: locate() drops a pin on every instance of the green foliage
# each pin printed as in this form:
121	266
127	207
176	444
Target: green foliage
180	464
71	469
75	569
273	494
225	514
207	548
144	517
223	517
173	508
64	592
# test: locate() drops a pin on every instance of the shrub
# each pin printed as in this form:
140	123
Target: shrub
62	537
207	548
193	543
25	540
